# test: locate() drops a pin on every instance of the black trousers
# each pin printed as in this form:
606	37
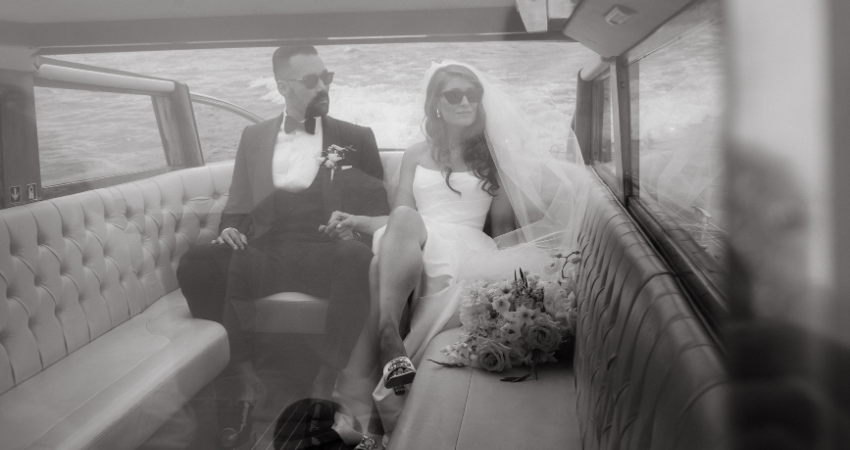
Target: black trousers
295	262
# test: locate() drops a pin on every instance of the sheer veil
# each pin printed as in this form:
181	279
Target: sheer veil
546	184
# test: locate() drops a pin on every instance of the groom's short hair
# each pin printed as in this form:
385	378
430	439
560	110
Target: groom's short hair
281	57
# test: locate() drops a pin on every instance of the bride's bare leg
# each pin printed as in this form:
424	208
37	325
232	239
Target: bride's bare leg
400	268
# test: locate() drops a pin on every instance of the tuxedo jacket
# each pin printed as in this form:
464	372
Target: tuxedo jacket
356	186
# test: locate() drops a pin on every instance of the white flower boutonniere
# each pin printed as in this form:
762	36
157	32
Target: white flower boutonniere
332	155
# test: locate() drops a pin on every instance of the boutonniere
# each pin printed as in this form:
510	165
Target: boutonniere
332	155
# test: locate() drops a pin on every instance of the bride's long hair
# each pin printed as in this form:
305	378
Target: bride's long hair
475	152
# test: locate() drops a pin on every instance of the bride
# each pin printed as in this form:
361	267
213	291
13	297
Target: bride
479	160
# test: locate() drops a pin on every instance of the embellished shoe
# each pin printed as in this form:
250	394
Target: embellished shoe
400	373
369	442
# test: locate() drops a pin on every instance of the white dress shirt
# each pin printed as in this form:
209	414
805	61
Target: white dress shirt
296	158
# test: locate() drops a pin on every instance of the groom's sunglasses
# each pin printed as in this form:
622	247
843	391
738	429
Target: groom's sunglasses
310	81
455	96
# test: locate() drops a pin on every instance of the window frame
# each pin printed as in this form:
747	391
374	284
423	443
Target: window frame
681	252
172	110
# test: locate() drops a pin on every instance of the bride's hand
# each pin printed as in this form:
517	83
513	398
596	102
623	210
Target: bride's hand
340	226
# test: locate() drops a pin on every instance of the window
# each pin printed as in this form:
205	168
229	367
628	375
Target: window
219	131
678	129
84	135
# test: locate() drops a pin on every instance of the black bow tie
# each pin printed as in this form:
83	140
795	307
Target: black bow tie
290	125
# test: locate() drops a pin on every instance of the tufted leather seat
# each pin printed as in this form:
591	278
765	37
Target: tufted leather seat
97	346
648	373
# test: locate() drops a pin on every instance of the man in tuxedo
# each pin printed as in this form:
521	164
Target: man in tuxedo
291	174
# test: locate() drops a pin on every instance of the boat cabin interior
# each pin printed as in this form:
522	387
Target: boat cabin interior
711	289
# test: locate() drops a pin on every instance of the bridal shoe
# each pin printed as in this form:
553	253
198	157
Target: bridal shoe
400	373
369	442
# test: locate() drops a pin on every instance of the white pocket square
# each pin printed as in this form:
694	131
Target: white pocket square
345	167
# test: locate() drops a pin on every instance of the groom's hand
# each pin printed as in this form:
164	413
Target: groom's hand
232	237
340	226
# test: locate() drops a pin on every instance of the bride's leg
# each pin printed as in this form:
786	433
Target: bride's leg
400	268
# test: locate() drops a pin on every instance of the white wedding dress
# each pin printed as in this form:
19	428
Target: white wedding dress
454	223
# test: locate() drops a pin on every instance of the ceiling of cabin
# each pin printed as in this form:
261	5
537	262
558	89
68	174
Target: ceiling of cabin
50	11
83	26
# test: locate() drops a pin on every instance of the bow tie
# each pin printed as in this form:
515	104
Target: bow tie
290	125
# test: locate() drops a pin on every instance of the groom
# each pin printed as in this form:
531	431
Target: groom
291	173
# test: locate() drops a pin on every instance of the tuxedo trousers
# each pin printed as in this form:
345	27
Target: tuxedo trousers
309	263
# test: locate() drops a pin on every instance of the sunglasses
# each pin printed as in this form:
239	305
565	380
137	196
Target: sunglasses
455	96
310	81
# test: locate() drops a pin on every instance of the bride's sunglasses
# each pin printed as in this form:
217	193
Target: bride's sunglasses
310	81
455	96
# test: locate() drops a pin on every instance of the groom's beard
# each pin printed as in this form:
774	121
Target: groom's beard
319	106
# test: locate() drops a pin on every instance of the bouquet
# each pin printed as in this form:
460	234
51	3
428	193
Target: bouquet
517	322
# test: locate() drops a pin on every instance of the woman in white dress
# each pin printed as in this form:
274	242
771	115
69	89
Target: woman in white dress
478	160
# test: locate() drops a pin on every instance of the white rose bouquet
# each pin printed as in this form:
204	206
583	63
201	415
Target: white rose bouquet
521	322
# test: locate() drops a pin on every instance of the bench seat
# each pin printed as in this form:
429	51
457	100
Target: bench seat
104	394
471	409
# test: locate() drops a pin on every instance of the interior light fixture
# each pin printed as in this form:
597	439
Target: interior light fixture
619	15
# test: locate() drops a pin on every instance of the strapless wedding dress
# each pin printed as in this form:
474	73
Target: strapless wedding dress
454	221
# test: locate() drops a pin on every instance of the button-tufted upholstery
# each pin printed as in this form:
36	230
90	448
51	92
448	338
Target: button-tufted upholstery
648	373
97	346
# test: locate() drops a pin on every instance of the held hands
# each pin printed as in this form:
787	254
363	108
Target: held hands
340	226
232	237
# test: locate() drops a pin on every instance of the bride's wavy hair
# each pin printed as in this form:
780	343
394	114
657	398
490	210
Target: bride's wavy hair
475	151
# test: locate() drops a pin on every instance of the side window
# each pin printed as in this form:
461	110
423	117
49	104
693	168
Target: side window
219	131
678	124
84	135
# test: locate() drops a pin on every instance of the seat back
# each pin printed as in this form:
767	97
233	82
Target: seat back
649	375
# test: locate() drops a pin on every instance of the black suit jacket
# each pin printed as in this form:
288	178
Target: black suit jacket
358	190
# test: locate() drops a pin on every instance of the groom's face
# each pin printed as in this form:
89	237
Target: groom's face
307	102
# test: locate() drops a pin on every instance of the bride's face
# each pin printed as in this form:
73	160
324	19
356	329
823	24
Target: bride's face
462	114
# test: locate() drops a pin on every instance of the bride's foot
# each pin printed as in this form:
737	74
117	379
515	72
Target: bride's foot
400	373
370	442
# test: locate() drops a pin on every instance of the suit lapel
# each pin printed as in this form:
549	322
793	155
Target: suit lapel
331	195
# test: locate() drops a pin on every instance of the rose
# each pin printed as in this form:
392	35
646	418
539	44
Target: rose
543	336
493	356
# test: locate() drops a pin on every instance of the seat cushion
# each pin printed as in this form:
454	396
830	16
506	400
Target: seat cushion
118	389
471	409
289	312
